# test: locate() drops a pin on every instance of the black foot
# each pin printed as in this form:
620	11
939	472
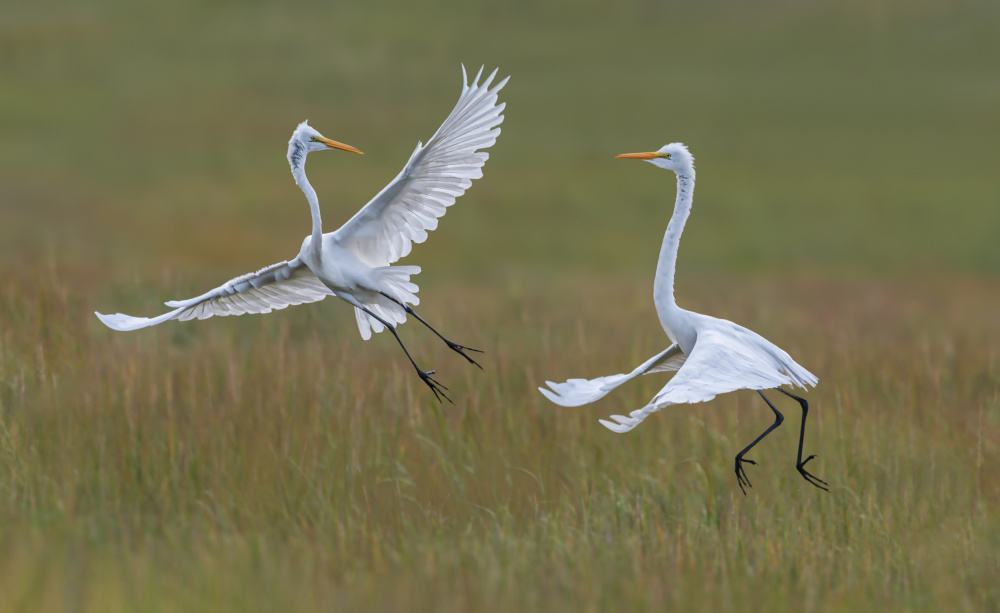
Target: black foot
462	349
741	473
435	386
808	476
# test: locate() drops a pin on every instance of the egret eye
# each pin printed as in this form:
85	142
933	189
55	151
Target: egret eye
665	155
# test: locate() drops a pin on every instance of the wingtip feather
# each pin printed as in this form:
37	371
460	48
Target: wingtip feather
489	79
548	394
500	85
120	322
619	429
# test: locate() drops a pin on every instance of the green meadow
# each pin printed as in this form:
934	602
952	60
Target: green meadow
846	209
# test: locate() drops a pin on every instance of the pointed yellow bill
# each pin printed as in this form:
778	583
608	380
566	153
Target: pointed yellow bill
332	144
641	156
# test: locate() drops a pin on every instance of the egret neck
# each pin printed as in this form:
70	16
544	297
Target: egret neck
663	284
299	172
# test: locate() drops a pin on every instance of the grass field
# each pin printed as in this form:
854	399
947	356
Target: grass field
846	210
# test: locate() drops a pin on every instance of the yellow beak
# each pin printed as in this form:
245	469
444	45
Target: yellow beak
640	156
332	144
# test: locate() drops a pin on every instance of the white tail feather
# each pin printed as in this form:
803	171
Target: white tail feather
395	281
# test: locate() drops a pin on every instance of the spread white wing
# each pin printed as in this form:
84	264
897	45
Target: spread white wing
436	174
275	287
722	361
576	392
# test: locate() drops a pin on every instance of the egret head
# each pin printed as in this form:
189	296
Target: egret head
674	156
306	139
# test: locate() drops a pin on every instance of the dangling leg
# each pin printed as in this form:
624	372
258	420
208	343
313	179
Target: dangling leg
800	465
436	387
741	473
454	346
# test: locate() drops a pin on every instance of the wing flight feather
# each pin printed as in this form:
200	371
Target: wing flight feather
577	392
385	229
276	287
722	361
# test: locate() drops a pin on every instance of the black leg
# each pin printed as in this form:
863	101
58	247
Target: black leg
436	387
453	346
741	474
800	465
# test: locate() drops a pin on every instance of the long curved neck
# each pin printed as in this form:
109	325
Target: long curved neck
663	286
299	172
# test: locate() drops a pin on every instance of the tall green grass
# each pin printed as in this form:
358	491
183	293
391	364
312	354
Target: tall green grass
280	462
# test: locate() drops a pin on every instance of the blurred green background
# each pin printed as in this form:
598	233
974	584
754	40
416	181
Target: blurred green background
835	138
847	209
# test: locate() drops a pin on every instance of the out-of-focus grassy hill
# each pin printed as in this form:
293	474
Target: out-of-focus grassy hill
848	137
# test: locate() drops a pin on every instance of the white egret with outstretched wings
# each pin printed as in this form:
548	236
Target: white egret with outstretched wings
354	263
711	356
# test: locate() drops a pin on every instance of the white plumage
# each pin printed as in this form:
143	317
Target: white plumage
578	392
354	263
384	230
275	287
711	356
726	357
